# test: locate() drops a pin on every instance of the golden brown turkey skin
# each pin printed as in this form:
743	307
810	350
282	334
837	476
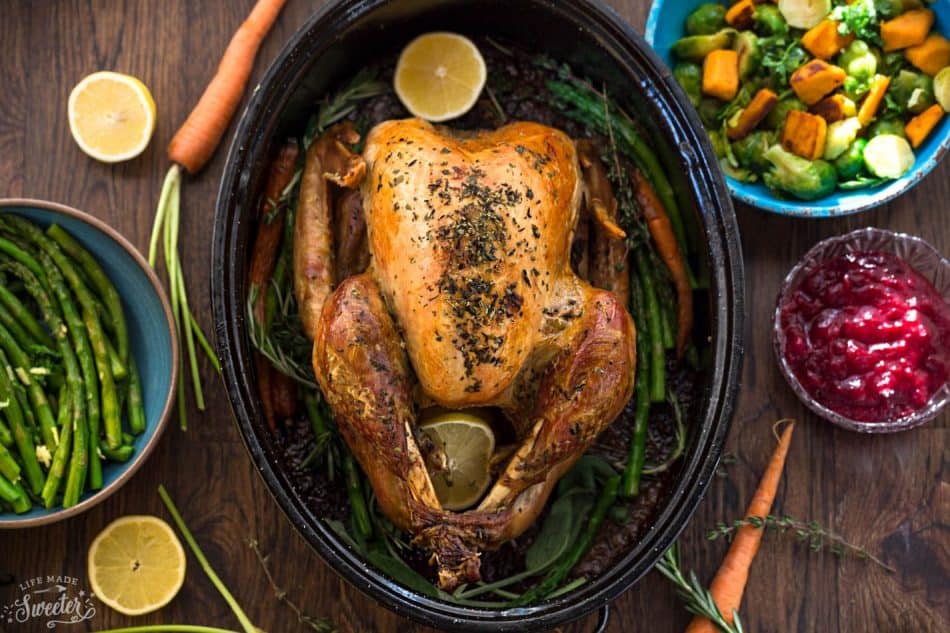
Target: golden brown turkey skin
470	300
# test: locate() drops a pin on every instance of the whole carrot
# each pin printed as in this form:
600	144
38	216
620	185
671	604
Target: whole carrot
196	140
664	237
729	583
190	149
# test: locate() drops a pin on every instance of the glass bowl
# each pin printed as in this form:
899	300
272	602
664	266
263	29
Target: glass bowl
921	256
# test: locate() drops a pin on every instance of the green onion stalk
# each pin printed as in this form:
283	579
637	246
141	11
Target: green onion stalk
165	229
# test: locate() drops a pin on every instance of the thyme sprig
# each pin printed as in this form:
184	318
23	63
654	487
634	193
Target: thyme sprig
320	625
811	532
696	598
362	86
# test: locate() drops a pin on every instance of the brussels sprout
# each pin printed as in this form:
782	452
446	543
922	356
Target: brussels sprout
922	96
911	91
769	20
736	173
888	156
892	62
799	177
887	9
776	118
747	46
750	151
706	19
840	136
942	88
855	88
887	126
695	47
709	109
850	164
804	14
718	140
690	77
858	60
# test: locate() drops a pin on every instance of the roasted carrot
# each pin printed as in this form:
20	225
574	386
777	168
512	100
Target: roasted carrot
265	374
661	230
283	391
729	583
271	227
196	140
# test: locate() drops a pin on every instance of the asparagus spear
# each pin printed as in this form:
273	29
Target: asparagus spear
35	391
24	317
135	407
58	467
100	281
74	378
636	457
21	435
14	494
654	328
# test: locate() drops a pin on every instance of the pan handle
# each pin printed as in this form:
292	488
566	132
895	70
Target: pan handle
603	619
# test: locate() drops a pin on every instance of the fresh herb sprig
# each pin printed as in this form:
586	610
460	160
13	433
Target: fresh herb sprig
817	537
319	625
696	598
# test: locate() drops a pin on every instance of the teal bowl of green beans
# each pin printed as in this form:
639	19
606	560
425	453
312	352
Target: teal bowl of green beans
863	161
88	362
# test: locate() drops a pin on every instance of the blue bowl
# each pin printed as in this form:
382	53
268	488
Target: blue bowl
152	342
666	23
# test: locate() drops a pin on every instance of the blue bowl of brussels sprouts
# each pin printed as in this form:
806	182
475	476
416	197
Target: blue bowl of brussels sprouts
862	156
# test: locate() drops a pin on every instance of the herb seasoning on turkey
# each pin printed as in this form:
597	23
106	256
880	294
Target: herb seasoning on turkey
500	264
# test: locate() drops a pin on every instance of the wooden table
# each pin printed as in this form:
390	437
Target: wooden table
889	493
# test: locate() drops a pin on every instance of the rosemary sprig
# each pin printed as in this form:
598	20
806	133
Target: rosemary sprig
810	532
320	625
363	85
696	598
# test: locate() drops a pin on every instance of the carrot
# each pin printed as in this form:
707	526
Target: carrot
872	102
661	230
729	583
197	139
271	227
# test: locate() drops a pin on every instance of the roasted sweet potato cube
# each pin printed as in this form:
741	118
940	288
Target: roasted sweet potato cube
908	29
824	41
816	79
918	128
804	134
721	74
760	106
930	56
741	15
833	108
872	102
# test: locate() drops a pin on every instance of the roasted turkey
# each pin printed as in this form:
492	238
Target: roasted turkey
466	298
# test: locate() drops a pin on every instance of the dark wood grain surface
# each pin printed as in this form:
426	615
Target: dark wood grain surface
889	493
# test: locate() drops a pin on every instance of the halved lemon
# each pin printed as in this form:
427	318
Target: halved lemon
136	564
468	443
111	116
439	76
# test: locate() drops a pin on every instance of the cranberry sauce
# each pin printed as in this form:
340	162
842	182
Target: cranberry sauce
867	336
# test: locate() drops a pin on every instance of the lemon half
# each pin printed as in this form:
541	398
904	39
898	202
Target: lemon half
468	443
136	564
111	116
439	76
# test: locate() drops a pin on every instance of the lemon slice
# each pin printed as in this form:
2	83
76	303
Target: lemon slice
468	444
439	76
136	564
111	116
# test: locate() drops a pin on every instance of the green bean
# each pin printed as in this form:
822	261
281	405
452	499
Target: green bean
35	391
136	409
100	281
654	328
558	573
25	318
21	435
58	467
